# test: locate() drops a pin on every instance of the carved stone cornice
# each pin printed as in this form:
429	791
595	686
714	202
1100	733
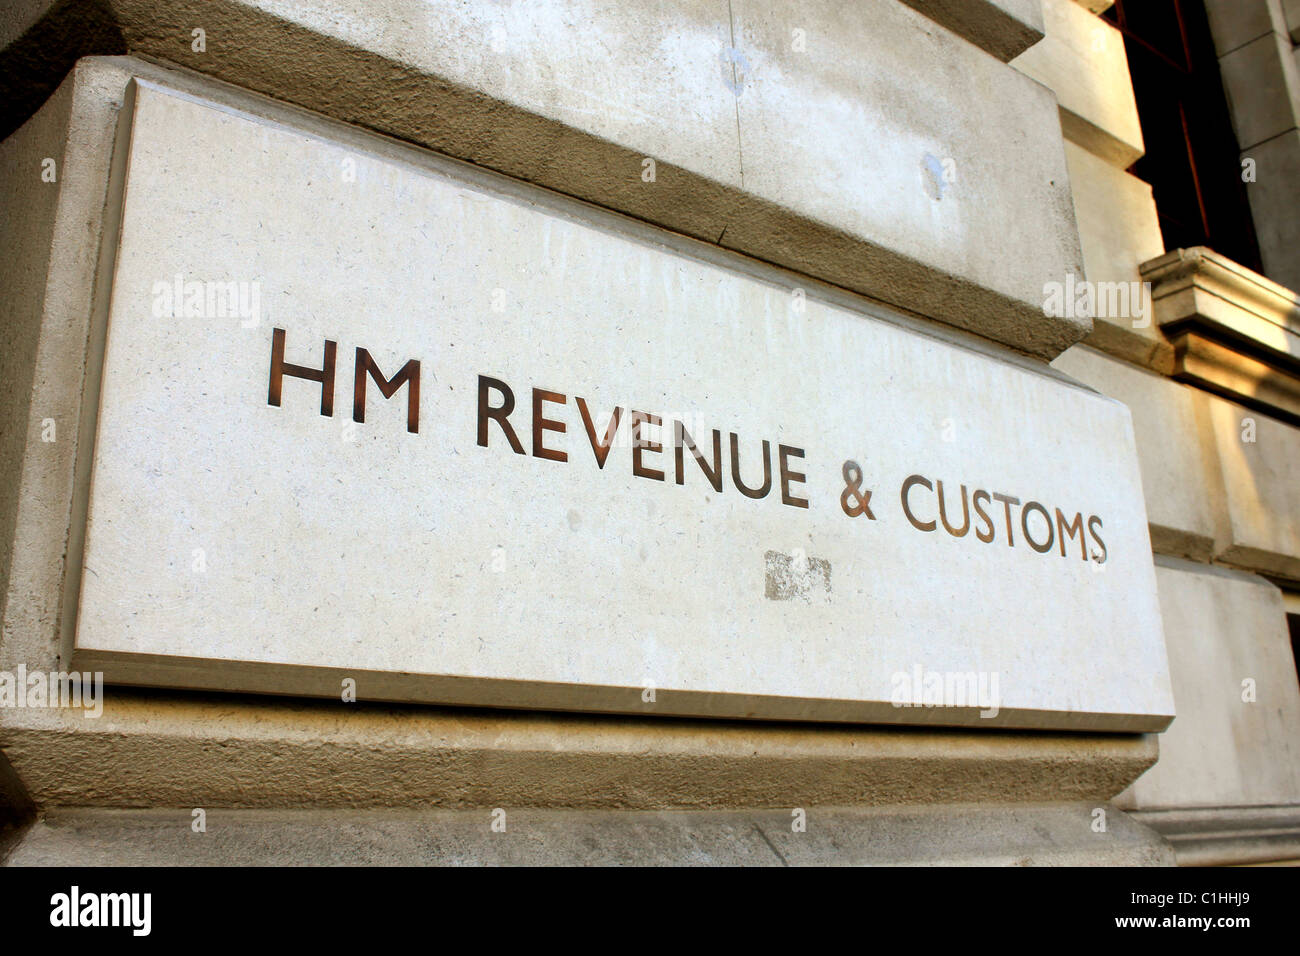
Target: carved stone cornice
1233	331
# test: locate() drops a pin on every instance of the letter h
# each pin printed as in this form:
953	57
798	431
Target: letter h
281	368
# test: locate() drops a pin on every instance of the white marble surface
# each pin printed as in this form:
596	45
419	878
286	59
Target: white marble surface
226	534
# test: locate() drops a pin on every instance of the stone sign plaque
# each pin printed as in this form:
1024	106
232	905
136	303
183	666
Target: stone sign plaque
374	426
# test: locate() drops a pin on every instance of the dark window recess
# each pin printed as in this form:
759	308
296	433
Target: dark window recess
1293	622
1192	159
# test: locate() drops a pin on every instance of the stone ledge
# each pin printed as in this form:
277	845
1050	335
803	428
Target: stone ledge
1197	286
1060	835
1226	836
160	749
1233	331
1004	28
1203	361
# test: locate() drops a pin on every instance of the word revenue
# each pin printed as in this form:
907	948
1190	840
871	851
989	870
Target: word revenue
986	516
710	466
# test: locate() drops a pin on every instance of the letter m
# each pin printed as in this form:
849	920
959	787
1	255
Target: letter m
1068	529
409	375
116	909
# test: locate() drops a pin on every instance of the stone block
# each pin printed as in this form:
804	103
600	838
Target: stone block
187	750
1119	230
1277	170
1234	23
1260	458
910	186
508	622
1262	84
1082	60
1223	629
1180	474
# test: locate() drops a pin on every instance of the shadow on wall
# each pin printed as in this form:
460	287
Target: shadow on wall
16	807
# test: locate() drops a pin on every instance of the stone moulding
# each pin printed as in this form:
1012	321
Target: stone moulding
1228	836
1234	332
1033	835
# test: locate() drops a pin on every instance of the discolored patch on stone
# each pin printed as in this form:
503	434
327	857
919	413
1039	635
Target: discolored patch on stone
796	576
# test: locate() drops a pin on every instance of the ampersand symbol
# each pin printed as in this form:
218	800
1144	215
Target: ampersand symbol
861	503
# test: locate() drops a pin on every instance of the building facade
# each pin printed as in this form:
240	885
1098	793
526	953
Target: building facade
354	600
